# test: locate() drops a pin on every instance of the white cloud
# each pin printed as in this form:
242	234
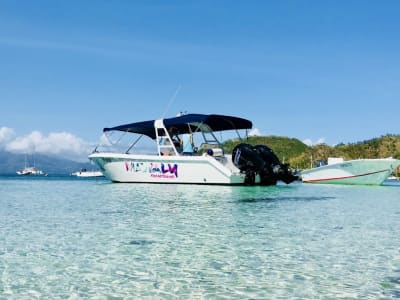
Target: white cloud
254	132
309	142
6	134
24	144
62	144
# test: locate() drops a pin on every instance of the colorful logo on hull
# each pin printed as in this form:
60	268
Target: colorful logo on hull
159	170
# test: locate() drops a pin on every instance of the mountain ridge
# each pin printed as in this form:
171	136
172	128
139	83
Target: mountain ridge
11	162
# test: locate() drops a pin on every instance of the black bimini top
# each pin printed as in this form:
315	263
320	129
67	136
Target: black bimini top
186	124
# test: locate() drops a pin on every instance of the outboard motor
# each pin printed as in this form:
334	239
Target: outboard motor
268	174
274	170
260	159
248	161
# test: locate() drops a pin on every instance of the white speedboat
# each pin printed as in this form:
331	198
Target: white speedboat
247	165
359	171
86	173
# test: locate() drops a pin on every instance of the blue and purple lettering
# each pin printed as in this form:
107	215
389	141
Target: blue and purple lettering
171	169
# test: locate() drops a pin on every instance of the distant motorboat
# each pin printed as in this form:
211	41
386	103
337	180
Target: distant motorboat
359	171
86	173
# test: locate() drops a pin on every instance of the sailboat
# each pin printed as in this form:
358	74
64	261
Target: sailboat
29	170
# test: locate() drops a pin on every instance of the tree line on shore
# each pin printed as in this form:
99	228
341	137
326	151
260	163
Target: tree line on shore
302	156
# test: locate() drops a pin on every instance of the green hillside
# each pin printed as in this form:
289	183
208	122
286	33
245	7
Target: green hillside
301	156
284	147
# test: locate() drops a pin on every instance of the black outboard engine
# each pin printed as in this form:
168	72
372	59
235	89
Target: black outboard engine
261	160
268	174
274	170
248	161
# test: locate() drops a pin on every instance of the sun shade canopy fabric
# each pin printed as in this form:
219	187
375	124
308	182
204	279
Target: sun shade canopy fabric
186	124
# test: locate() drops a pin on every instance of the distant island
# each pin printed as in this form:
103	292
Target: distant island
11	162
302	156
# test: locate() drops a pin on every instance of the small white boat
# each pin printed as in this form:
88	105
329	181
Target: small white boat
29	170
86	173
359	171
247	165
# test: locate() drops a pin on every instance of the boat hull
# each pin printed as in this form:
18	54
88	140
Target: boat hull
88	174
168	169
30	171
358	172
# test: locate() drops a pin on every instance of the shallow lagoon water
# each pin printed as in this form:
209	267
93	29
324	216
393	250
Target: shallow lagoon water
63	238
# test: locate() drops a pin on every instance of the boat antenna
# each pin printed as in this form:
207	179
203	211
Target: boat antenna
171	101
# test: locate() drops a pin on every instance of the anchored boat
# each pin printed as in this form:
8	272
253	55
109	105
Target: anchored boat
86	173
207	164
29	170
359	171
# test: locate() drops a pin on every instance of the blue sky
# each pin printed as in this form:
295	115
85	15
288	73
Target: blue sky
314	70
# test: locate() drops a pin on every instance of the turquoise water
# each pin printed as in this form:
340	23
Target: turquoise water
79	239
